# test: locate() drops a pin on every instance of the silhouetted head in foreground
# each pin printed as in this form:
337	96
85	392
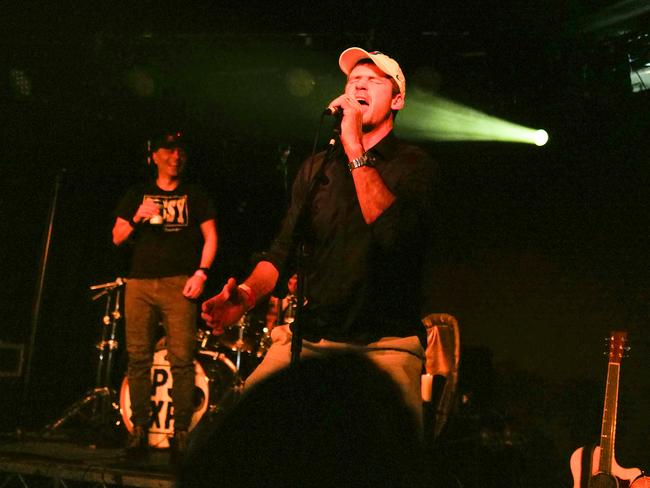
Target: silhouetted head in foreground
332	421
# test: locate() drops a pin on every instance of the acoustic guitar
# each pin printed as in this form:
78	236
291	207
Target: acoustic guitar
597	468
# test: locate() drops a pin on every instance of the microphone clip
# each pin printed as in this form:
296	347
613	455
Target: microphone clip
110	285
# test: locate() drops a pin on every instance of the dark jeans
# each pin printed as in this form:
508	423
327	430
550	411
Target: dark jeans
148	302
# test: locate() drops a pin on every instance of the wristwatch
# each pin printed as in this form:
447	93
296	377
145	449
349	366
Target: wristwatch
362	160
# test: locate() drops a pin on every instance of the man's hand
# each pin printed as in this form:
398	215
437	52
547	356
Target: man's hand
194	285
224	309
351	124
146	210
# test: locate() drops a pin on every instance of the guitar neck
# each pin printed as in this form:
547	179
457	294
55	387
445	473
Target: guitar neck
608	429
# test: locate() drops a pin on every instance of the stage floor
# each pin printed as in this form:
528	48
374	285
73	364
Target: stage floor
27	461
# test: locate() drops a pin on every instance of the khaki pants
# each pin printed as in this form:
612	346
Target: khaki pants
400	357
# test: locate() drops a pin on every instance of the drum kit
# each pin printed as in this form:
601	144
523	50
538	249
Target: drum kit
222	363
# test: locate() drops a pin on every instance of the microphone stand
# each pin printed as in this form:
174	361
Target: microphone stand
38	300
298	243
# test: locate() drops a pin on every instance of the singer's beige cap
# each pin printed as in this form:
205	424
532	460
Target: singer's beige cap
351	56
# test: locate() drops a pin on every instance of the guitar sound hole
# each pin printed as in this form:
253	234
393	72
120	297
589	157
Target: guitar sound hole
603	480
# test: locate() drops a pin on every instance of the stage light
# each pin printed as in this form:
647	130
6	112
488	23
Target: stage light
640	67
431	117
541	137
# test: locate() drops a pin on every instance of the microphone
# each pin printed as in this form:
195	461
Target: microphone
336	112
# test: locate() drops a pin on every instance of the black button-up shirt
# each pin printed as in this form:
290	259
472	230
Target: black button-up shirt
362	281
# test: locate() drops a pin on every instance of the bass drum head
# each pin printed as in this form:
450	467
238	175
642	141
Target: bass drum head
211	382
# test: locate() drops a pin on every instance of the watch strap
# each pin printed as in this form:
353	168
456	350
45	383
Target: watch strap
363	160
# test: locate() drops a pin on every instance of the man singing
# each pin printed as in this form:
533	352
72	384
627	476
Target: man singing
365	234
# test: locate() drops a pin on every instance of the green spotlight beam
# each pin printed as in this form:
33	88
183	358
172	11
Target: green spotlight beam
430	117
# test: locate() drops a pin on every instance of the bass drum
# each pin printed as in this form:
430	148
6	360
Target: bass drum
214	375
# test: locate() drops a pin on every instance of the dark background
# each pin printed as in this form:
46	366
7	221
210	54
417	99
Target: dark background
546	248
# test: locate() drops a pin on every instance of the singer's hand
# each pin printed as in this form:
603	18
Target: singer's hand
351	124
223	309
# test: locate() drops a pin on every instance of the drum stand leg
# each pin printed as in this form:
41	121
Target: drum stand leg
101	400
102	396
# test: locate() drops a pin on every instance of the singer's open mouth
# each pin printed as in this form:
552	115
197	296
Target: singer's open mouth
362	101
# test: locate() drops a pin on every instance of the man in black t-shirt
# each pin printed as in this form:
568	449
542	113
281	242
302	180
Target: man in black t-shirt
368	205
170	225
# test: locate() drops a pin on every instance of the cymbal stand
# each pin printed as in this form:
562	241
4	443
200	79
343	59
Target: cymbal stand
108	343
102	397
289	312
241	325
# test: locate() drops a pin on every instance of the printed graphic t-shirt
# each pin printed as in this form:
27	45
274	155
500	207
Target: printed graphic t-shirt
173	247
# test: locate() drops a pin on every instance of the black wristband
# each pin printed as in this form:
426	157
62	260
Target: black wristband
205	270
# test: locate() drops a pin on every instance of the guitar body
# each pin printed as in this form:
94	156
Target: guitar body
643	482
586	472
603	480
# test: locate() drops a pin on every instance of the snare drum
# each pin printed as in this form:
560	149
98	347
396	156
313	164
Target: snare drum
214	375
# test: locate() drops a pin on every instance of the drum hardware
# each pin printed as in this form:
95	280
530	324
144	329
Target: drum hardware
244	338
203	337
210	344
265	342
287	314
102	398
241	325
